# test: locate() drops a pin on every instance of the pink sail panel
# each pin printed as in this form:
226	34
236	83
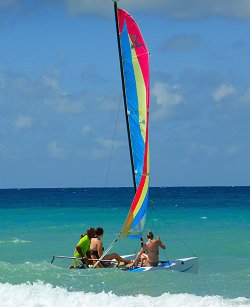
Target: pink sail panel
135	59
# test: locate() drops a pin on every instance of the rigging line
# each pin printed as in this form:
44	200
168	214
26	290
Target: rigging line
153	223
152	226
150	223
113	140
178	237
111	152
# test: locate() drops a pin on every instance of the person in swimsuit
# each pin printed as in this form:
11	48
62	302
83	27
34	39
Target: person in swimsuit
96	248
82	250
151	247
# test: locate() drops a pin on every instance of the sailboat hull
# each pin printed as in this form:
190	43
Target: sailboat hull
184	265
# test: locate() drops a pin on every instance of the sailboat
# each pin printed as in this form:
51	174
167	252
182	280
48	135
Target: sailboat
135	76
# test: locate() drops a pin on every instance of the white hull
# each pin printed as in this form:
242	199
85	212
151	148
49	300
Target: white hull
184	265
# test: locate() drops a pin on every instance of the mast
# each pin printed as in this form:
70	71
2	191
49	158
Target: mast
134	67
124	95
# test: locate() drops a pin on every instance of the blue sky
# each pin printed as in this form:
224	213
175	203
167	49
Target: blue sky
60	93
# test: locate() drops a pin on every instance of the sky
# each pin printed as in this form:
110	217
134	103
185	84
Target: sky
61	114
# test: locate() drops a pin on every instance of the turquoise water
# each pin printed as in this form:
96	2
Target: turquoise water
212	223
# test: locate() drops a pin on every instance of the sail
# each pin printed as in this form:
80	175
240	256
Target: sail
135	59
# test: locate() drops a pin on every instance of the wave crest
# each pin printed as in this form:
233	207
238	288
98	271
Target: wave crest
45	295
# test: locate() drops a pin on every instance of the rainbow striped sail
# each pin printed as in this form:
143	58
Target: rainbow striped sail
135	62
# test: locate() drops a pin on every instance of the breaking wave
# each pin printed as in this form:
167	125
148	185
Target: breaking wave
45	295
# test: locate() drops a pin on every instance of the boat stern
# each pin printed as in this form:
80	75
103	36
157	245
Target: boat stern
186	265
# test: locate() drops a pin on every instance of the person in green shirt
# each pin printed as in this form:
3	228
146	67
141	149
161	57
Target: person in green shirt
82	249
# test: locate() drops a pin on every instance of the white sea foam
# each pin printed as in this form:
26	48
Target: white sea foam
19	241
15	241
45	295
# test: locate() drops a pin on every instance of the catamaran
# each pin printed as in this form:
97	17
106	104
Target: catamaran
135	76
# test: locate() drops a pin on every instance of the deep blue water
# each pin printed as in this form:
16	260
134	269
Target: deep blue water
78	197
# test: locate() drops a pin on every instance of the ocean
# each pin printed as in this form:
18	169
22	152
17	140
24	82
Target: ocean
210	222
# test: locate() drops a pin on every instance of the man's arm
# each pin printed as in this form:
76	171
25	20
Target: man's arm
78	248
160	243
137	259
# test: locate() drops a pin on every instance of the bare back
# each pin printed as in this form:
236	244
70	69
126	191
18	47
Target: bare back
152	248
96	245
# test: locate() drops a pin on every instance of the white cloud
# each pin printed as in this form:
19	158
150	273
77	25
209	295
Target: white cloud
203	149
55	150
64	103
57	97
20	87
61	56
2	86
167	98
23	122
245	98
183	42
108	143
2	82
2	147
93	75
234	149
51	82
67	106
102	147
12	152
87	6
46	90
223	91
86	129
10	3
181	9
